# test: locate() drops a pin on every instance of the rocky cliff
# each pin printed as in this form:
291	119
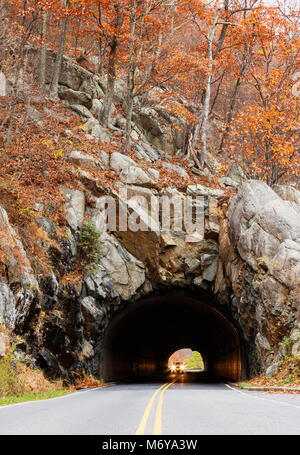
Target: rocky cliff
246	263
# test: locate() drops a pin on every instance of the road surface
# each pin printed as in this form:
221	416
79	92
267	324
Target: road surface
183	407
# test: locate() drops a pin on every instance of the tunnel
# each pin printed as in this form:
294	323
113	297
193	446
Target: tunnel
141	337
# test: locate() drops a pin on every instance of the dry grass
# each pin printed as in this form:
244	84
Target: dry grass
16	379
288	375
20	382
83	380
35	381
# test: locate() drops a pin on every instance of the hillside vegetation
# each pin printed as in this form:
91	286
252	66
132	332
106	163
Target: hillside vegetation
163	97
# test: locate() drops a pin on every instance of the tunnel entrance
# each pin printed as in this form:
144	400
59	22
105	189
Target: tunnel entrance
141	337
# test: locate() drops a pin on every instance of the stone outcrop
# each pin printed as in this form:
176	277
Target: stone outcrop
7	306
246	263
17	301
74	207
264	266
75	97
249	259
162	129
266	232
84	91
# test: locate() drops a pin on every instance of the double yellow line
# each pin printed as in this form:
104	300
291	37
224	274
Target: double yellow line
158	414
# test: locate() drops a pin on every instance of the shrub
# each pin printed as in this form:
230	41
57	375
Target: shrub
90	246
288	342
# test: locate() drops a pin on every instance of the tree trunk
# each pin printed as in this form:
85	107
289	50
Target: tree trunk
43	57
128	123
111	77
101	48
58	61
15	90
232	108
131	76
245	63
206	104
111	71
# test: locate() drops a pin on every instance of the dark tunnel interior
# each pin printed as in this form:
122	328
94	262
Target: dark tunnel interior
140	339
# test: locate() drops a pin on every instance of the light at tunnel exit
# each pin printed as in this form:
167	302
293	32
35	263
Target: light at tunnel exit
191	360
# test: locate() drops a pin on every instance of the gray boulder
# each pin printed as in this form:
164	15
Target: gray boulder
151	152
125	271
271	370
266	231
7	306
228	182
74	207
81	110
90	86
157	125
46	224
96	107
97	131
75	97
71	75
200	190
103	160
134	175
82	159
236	173
120	162
119	274
18	266
154	173
176	169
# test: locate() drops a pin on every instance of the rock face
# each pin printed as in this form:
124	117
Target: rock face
133	175
83	92
16	306
7	306
246	262
163	130
74	207
264	231
75	97
248	258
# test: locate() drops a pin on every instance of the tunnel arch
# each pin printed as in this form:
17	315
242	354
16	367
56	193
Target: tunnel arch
141	337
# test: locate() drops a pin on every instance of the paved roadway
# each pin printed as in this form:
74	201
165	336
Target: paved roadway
185	407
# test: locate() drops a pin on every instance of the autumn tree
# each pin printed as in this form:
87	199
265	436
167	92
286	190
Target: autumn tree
221	18
25	17
230	60
267	128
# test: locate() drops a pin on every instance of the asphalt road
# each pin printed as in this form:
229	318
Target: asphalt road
184	407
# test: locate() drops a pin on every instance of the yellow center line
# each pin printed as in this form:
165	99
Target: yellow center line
158	415
141	428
